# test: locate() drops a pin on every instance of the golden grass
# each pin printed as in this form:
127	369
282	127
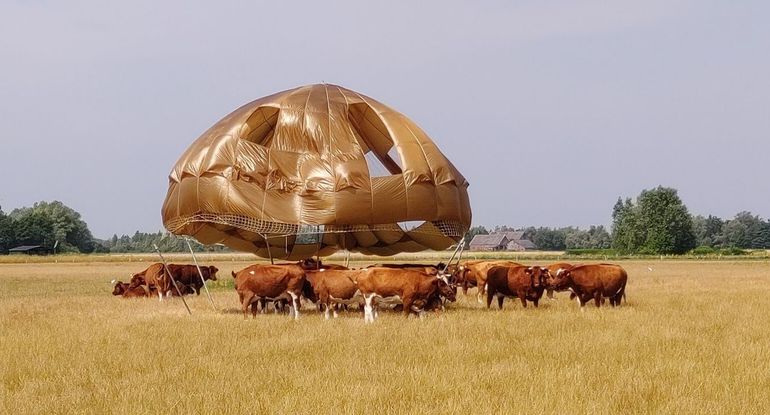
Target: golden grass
693	338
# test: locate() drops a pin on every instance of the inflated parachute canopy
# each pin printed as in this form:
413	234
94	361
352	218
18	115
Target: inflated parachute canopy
316	169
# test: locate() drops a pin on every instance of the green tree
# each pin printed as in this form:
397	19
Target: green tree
708	230
627	237
33	228
746	231
658	223
666	222
7	233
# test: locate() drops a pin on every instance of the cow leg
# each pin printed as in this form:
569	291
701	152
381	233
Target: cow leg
407	301
245	301
490	294
523	298
549	293
481	292
578	299
327	312
598	299
500	299
535	301
254	306
368	313
334	310
294	305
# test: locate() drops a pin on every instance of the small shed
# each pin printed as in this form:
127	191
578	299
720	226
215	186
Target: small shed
29	250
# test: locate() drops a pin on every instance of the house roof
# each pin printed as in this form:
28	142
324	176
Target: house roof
514	235
525	243
495	239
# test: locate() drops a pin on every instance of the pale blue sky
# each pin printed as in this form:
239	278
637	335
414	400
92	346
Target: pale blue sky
551	109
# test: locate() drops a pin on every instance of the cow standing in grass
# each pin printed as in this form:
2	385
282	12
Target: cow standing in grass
474	273
596	281
522	282
412	288
270	283
332	288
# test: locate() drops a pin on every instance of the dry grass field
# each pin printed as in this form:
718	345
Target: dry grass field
693	338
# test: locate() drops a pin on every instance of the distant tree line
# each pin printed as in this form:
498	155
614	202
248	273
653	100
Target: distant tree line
47	222
145	242
657	222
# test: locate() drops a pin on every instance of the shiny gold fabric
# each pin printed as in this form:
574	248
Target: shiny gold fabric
294	168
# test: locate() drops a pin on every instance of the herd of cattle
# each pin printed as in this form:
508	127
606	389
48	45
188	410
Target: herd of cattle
414	288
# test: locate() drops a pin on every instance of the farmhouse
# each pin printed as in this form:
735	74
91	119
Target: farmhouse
502	241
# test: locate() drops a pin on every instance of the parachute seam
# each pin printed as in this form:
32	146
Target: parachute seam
371	188
393	141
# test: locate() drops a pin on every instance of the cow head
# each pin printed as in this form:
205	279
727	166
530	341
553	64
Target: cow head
445	289
212	273
120	287
459	275
310	264
559	281
538	276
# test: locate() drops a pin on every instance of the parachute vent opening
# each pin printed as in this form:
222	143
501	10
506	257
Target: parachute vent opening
378	165
409	225
376	168
393	154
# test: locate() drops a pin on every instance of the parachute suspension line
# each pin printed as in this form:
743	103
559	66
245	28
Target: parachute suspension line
458	248
165	269
269	253
200	273
347	259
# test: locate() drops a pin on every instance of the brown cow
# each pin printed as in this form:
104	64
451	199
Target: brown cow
411	288
332	288
185	275
597	281
125	289
522	282
474	273
426	268
132	290
555	269
270	282
155	278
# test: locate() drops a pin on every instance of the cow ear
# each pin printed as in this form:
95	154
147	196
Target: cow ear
529	271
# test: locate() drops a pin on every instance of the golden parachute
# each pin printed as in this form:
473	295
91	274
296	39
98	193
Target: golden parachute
294	174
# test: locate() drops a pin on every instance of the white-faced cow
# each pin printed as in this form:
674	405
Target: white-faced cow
596	281
556	269
413	289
